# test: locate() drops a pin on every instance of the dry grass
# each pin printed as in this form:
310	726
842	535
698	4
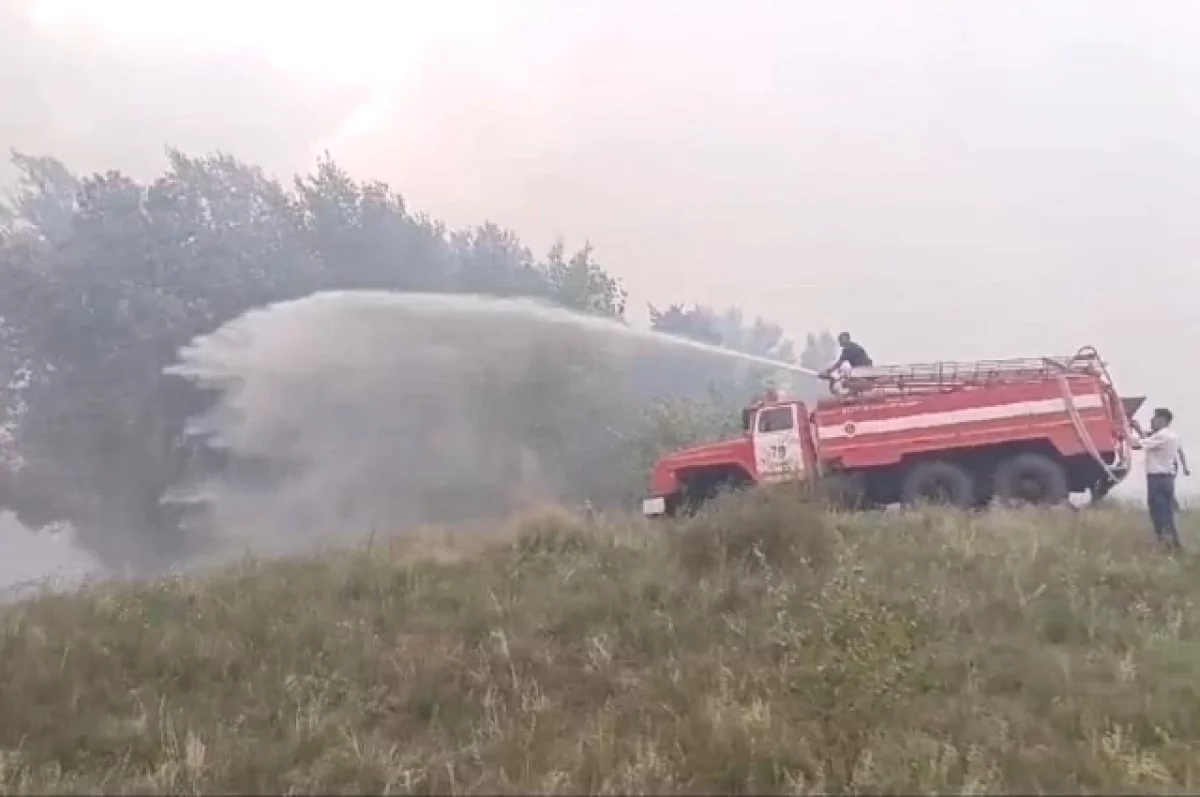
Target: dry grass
762	647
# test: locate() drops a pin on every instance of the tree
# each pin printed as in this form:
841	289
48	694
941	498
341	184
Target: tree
696	323
366	237
728	330
492	261
43	203
580	284
106	277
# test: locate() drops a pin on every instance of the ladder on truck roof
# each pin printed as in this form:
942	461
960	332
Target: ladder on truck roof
937	377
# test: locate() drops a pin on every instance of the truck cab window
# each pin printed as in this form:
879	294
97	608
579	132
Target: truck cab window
776	419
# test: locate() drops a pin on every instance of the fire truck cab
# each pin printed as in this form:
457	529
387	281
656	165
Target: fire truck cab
960	433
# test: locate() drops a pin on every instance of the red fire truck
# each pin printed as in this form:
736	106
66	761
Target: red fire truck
961	433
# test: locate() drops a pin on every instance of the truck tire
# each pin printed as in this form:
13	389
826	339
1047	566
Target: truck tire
1031	478
845	490
690	502
699	491
939	482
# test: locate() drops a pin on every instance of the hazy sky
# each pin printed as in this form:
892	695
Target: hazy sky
945	179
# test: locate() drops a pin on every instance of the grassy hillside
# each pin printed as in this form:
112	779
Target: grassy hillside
762	647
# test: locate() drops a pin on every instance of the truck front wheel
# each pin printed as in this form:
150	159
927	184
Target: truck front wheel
1031	478
845	489
703	488
938	482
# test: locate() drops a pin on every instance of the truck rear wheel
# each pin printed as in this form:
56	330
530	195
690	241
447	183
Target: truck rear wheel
938	482
1031	478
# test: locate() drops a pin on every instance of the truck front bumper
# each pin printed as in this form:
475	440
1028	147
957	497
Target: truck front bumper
654	507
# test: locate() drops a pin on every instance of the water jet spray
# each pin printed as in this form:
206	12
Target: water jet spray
374	409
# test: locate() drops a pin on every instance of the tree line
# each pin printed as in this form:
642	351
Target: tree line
105	277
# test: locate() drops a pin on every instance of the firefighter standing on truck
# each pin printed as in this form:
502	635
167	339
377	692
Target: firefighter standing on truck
852	355
1162	459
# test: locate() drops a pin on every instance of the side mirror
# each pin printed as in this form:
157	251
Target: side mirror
747	417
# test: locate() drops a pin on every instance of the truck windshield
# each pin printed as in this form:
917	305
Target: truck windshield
776	419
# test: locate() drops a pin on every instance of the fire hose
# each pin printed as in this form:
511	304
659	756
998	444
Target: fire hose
1081	431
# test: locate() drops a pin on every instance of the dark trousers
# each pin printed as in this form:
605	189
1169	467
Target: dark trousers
1160	499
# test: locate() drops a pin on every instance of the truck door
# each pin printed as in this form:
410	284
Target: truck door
778	453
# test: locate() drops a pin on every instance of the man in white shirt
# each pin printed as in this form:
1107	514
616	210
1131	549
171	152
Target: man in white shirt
1162	459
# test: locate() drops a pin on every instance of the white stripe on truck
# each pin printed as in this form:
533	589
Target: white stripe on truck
929	420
